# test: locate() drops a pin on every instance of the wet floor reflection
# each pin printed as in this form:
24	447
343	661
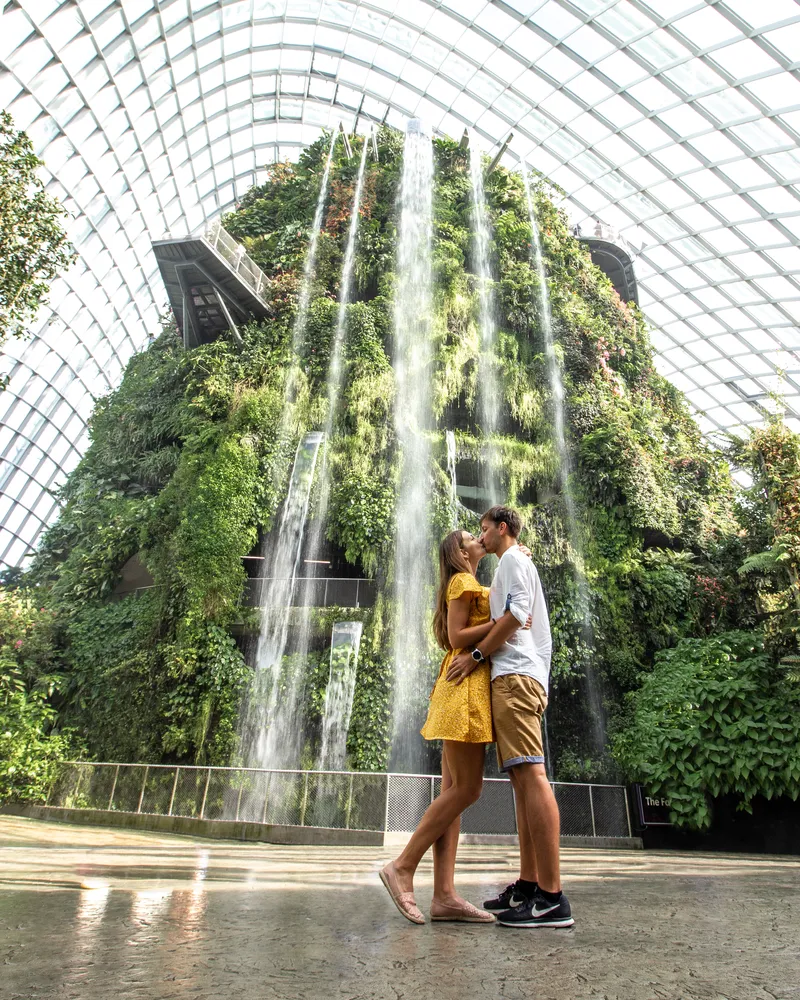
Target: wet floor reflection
92	902
93	915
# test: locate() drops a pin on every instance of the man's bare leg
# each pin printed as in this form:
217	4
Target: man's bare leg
539	823
528	869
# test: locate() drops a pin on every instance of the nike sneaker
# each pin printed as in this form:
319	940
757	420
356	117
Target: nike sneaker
538	912
510	897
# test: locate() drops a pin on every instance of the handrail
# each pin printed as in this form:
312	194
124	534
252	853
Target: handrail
297	770
373	800
220	240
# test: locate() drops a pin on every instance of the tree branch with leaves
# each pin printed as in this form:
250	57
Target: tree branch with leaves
34	247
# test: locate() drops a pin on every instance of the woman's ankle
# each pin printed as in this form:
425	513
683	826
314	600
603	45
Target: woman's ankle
451	898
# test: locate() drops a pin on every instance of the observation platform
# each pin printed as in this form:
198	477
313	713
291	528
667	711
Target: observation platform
212	284
613	259
93	913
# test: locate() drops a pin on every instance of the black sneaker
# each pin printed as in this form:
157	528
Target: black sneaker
510	897
538	912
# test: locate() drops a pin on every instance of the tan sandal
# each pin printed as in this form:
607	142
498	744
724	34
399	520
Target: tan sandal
404	901
465	912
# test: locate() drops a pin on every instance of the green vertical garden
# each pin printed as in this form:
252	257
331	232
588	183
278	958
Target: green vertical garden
691	580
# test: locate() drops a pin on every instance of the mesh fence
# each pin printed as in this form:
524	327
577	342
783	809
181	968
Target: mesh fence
189	791
575	809
493	813
157	790
339	800
409	795
494	810
610	811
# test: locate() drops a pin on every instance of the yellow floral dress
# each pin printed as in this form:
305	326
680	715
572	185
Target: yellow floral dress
463	711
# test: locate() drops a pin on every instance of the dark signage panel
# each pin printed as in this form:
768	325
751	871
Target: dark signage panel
653	809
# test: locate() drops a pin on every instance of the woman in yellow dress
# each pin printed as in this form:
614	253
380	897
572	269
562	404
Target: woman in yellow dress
460	714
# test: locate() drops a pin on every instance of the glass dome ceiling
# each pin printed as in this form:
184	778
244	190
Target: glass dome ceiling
674	122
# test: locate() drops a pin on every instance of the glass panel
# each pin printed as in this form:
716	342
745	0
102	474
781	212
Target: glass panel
762	136
728	106
744	59
787	39
621	69
759	15
555	20
694	77
776	92
706	27
589	43
660	49
625	21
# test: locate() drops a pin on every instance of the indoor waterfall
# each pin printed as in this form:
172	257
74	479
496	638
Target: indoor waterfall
310	264
413	569
270	737
488	384
345	642
594	696
316	528
450	440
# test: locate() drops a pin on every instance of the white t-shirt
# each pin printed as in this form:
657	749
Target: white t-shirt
516	587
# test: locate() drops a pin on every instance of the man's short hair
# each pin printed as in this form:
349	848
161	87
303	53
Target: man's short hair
500	513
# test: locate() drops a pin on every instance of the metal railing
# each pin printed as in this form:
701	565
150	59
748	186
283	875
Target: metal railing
235	254
346	800
318	591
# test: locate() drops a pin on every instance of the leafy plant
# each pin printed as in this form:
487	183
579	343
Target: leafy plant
634	526
31	743
33	244
712	719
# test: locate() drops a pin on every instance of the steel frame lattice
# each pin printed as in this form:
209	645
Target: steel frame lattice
675	122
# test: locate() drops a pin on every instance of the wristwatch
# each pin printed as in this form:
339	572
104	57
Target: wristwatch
478	656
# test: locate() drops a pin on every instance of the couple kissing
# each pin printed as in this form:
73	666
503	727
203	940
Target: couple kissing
477	701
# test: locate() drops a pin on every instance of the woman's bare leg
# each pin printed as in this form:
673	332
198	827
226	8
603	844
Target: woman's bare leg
465	764
444	849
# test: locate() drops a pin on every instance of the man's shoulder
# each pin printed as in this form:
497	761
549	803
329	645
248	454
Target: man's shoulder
514	557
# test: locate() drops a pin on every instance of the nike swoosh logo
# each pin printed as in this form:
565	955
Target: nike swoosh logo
547	909
516	902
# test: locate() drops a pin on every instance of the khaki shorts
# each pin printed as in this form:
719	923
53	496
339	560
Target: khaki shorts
518	702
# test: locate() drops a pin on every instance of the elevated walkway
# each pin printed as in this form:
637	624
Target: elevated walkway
212	284
609	253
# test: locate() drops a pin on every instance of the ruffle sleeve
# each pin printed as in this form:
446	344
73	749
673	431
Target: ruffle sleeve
462	583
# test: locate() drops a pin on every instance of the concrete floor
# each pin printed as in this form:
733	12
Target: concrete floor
98	914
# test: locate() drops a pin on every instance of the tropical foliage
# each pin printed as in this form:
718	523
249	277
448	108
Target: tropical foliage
714	718
661	560
33	244
32	743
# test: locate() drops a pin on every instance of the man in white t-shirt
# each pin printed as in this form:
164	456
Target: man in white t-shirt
520	677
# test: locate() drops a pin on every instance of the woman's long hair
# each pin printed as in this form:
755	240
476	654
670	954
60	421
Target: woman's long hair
451	561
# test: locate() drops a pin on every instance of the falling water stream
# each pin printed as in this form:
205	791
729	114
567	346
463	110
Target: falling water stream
316	528
345	643
596	707
269	733
310	265
413	570
450	440
488	382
